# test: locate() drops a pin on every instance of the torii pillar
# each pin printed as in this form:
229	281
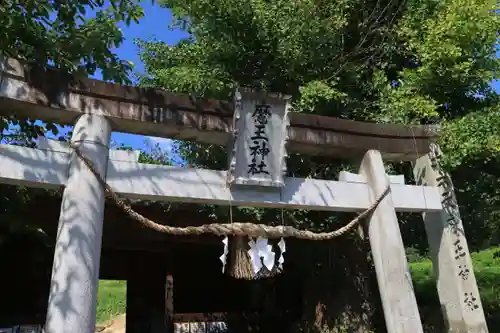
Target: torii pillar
451	260
389	258
75	272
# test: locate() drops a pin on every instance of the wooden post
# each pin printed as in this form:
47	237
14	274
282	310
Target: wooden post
146	289
451	261
75	271
169	303
393	276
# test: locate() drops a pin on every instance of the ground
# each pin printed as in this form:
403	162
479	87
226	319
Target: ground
112	294
115	325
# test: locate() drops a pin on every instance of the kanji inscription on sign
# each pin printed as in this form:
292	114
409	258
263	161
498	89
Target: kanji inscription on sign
259	136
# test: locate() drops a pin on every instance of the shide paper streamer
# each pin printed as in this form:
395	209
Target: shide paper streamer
261	254
223	257
282	248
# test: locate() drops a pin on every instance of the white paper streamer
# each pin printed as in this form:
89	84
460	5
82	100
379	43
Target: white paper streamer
282	247
261	249
266	252
223	257
253	252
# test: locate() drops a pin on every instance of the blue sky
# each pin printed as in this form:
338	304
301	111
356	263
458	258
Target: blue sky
154	24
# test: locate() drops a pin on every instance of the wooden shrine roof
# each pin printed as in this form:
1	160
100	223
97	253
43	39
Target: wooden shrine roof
52	96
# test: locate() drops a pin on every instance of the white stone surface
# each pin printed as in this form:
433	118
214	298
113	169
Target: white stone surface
33	167
393	275
350	177
451	260
27	166
75	272
131	156
157	182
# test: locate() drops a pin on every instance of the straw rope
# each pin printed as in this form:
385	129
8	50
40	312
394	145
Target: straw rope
227	229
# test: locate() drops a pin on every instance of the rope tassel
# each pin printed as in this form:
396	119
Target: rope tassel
240	262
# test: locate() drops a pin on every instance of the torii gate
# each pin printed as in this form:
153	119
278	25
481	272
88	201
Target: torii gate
102	107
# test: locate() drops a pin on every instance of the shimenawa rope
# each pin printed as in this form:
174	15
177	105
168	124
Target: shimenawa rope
228	229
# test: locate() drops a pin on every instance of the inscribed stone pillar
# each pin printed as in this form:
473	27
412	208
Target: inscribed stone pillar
75	271
393	276
451	261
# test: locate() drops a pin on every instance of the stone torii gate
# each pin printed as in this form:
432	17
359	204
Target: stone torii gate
99	108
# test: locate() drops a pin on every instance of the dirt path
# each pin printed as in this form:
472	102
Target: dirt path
116	325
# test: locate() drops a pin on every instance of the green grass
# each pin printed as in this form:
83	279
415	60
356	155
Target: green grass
112	294
111	299
487	271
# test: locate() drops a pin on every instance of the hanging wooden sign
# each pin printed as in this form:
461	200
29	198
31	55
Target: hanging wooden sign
260	130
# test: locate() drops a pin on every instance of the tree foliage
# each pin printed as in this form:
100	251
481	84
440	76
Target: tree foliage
74	35
406	61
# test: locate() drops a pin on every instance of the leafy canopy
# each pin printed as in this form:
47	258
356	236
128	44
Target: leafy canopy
401	61
415	61
75	35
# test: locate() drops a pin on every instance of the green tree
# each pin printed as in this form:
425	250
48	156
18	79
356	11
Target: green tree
76	36
412	62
